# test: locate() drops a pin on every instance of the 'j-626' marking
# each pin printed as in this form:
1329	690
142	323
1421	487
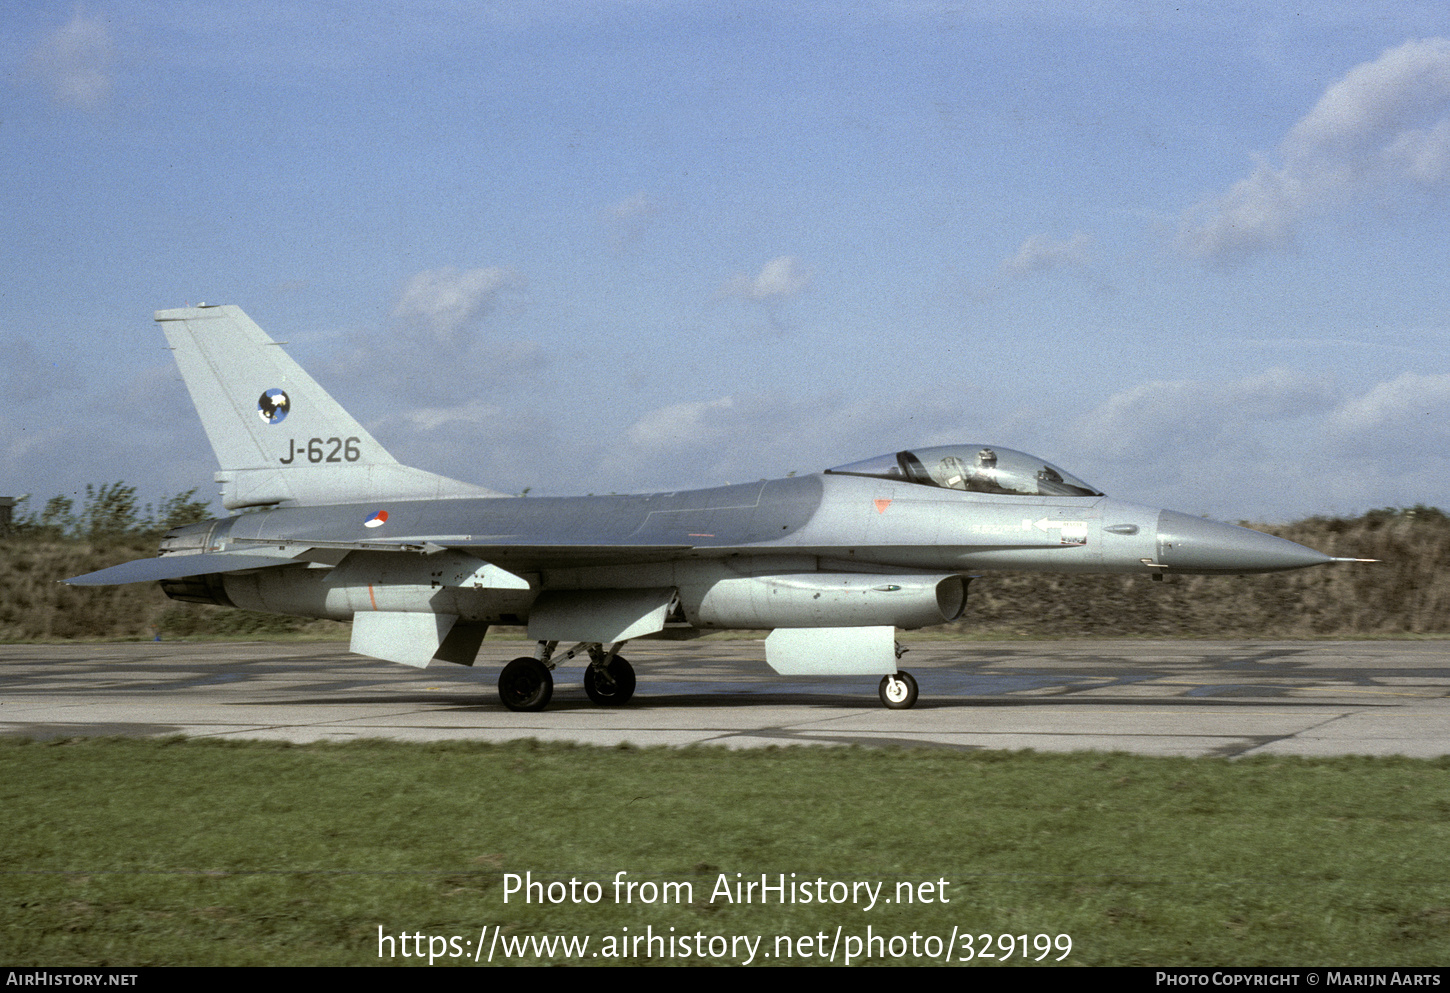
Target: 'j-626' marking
317	450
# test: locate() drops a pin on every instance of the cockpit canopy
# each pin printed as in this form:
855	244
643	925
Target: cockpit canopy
974	468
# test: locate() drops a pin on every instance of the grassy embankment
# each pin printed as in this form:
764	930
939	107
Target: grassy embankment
215	853
1406	594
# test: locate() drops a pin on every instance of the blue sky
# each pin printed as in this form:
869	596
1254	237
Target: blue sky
1196	257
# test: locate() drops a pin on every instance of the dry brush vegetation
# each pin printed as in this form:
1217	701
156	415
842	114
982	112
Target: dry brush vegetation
1407	593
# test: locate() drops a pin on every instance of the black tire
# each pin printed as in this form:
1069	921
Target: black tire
525	684
621	674
898	692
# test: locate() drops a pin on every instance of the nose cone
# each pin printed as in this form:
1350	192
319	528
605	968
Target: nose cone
1192	544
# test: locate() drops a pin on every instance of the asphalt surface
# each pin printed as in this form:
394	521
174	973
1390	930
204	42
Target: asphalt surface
1148	697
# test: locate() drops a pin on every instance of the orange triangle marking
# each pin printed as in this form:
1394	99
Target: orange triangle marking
881	505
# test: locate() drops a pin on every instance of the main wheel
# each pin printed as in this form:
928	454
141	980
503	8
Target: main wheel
899	691
525	684
610	689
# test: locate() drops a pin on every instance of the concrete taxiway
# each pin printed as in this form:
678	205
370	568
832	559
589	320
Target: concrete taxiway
1149	697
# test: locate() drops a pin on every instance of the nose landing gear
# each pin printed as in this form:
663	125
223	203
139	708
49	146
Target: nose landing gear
898	691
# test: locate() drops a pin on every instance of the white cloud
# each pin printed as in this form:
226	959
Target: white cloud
1385	124
1375	101
1193	416
639	205
1041	254
140	428
492	442
741	438
1274	446
779	279
681	425
444	303
1271	446
438	345
1411	410
628	220
472	412
74	62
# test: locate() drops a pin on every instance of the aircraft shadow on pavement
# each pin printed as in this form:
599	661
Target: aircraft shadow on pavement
565	701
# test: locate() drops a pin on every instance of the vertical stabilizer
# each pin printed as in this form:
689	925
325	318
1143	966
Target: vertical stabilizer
279	437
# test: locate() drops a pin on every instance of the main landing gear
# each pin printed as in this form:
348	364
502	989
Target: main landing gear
528	683
525	684
609	685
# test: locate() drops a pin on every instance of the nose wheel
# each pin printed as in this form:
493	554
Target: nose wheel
898	691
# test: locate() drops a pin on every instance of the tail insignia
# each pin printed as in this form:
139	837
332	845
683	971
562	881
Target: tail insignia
273	406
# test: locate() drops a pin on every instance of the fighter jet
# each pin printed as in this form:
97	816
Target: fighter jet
331	525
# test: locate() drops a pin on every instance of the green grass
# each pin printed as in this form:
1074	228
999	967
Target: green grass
145	852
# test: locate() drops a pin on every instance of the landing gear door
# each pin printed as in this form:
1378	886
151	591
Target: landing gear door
415	639
603	616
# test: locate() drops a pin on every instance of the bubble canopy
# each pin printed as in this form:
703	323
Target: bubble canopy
973	468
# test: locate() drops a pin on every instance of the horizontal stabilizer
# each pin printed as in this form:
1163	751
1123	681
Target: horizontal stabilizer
176	567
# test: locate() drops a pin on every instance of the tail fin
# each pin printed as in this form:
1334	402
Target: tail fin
280	438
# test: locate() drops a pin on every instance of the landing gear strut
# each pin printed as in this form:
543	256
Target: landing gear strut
899	691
